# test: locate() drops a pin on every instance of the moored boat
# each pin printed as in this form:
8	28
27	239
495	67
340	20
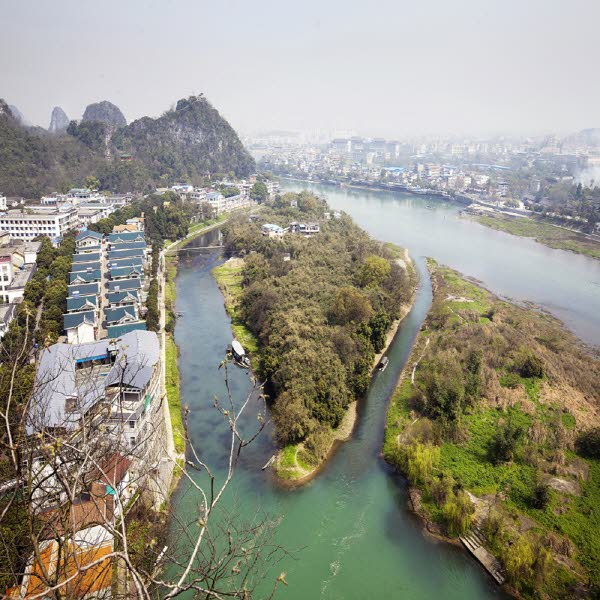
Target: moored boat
239	355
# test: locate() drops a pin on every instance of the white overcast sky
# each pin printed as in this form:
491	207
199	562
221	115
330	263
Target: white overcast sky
379	67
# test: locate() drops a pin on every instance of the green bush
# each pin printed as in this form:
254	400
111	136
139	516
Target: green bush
588	443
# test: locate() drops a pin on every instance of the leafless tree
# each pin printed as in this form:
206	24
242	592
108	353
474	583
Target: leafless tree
83	502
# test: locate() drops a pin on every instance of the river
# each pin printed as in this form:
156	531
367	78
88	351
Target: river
352	534
564	283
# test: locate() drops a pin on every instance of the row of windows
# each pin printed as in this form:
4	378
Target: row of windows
25	221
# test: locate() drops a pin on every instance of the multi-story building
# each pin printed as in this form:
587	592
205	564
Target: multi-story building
27	223
110	388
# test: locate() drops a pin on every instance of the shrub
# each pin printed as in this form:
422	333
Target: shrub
527	364
510	380
505	441
458	513
541	496
588	443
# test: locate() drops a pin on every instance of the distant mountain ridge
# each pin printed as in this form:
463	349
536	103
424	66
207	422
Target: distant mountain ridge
183	144
105	112
193	139
58	120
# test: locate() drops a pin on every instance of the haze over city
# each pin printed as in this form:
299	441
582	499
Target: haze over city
388	68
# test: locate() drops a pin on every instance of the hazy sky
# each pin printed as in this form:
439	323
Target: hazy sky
378	67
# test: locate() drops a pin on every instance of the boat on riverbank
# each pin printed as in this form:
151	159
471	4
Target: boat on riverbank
383	363
239	354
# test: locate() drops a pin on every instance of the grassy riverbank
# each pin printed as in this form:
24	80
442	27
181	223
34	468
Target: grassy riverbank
229	279
489	434
545	233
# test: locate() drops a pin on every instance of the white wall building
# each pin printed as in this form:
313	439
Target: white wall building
28	223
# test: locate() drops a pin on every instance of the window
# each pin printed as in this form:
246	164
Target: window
131	424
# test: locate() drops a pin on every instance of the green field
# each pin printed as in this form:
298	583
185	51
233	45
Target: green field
545	233
446	451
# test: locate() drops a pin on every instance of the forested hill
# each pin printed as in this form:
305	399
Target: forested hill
184	144
192	139
33	163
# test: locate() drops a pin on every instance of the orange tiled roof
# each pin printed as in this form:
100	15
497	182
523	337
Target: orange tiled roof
72	564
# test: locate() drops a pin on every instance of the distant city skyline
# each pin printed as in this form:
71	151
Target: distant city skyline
388	69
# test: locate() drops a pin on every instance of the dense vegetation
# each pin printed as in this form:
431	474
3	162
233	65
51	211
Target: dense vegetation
166	217
501	406
320	308
38	323
186	143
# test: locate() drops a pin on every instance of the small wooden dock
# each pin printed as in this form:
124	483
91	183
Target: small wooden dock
474	541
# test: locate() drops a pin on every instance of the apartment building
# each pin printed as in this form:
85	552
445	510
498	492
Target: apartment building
31	221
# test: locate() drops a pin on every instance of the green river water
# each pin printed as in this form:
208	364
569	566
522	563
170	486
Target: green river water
349	527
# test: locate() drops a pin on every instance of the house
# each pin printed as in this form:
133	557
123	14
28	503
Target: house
86	257
116	246
116	380
120	285
119	254
84	289
7	314
121	315
80	326
304	228
122	298
82	303
126	237
16	289
90	548
30	221
31	249
273	231
127	272
135	261
88	238
88	249
87	276
85	266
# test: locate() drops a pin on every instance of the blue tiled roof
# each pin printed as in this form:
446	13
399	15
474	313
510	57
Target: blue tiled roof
84	289
124	284
128	246
134	261
115	331
116	255
80	302
91	256
126	236
88	233
88	249
85	276
72	320
78	267
114	315
117	297
127	272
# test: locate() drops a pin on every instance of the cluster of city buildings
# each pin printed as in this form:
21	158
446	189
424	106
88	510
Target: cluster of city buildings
57	214
500	173
107	285
216	196
101	391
